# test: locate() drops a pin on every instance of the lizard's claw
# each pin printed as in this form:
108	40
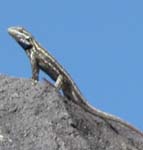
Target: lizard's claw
34	82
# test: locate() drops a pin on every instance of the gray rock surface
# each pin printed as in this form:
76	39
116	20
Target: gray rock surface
37	117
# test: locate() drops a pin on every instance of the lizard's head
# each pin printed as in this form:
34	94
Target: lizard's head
22	36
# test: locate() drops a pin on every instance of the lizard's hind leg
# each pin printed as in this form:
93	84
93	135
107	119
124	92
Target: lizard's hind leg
59	82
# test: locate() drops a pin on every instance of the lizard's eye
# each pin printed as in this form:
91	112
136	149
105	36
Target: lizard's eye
27	37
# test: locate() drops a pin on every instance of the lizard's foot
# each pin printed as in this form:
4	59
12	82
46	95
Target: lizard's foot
34	82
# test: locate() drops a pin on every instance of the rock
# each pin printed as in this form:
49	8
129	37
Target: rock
37	117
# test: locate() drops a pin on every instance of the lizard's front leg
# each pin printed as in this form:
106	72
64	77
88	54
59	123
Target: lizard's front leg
35	68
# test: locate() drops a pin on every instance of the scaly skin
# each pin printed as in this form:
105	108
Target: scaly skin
42	59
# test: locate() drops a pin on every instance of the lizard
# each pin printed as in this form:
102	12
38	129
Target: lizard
41	59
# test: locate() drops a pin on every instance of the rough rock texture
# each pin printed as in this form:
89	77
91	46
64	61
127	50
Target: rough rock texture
39	118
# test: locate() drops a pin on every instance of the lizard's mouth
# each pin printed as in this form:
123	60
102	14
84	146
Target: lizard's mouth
13	31
16	32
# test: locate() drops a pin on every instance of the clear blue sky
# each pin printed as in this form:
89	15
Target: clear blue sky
100	43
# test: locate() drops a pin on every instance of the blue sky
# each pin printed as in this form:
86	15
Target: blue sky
100	43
